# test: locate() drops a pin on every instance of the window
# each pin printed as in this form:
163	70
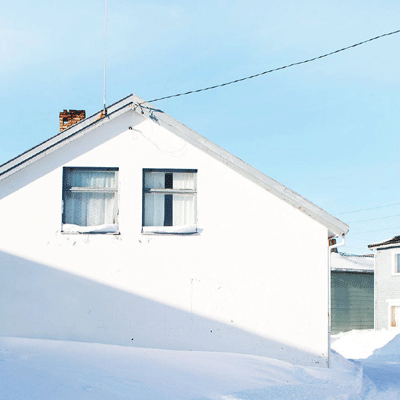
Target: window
90	200
169	201
393	313
397	264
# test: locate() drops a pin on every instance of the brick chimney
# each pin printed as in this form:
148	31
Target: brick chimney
71	117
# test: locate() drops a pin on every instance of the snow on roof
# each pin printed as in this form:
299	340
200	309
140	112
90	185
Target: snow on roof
353	263
392	240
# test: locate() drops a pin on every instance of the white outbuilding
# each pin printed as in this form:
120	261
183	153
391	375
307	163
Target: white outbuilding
131	229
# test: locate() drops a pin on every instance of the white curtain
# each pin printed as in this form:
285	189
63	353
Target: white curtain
183	210
90	179
182	204
154	202
85	208
183	180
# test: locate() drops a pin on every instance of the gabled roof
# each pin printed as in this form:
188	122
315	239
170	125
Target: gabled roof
136	104
392	241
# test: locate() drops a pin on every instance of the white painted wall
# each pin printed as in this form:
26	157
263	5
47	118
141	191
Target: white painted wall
386	286
254	280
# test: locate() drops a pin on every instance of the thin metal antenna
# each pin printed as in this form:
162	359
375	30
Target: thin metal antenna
105	48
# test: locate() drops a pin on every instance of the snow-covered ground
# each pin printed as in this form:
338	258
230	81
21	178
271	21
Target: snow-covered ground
47	369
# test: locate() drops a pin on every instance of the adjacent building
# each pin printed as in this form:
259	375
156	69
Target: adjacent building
387	283
352	292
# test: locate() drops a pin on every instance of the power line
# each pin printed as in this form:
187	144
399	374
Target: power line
276	69
374	219
368	209
376	230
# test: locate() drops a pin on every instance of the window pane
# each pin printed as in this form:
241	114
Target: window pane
154	209
89	179
169	209
158	209
184	180
183	210
398	264
154	180
89	209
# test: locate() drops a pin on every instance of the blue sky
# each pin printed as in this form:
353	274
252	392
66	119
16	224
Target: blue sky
328	130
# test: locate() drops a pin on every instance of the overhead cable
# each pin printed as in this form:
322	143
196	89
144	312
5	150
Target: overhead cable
373	219
376	230
368	209
276	69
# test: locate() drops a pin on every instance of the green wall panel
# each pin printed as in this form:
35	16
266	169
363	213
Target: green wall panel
352	301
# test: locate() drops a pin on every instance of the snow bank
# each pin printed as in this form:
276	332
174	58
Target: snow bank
48	369
378	356
363	343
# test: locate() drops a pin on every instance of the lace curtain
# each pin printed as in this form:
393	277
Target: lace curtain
84	206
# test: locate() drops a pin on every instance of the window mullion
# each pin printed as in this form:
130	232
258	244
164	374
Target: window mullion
170	191
91	189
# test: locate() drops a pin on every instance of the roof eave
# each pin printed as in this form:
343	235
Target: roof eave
383	246
62	138
135	103
335	226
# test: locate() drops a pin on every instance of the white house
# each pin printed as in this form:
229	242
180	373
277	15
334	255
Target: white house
134	230
387	283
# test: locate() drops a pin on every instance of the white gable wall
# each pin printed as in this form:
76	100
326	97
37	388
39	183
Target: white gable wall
254	280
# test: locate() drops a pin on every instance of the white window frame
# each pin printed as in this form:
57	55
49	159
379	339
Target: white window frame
168	230
101	229
395	264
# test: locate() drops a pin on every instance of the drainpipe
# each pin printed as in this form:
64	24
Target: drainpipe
375	290
333	246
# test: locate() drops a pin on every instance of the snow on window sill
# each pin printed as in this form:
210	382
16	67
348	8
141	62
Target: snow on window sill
107	228
185	229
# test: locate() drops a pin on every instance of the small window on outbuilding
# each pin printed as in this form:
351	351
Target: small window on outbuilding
393	316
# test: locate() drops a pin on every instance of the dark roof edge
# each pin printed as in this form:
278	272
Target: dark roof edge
387	247
58	134
63	137
392	241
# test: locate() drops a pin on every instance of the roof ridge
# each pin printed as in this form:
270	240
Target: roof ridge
132	102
